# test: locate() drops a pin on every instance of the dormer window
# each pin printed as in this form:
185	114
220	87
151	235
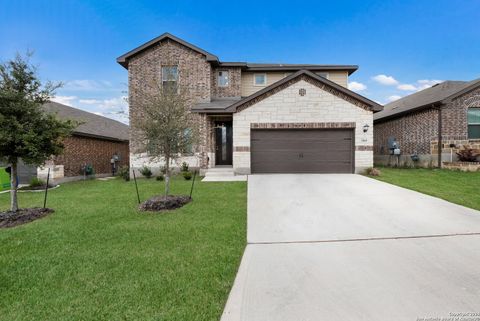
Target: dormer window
260	79
223	78
169	77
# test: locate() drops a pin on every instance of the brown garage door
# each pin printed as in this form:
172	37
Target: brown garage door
302	151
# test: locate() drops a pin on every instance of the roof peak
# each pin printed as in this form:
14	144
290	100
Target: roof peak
123	59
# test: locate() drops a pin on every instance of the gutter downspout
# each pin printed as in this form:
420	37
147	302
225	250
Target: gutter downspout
440	136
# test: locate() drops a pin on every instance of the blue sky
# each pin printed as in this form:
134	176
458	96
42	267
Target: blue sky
400	46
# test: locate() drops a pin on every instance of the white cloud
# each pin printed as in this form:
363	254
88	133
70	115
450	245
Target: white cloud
427	83
420	85
90	101
115	108
393	98
385	80
356	86
407	87
66	100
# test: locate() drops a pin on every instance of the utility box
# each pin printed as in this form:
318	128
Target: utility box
4	179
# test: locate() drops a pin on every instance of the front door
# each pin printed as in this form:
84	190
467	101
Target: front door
223	143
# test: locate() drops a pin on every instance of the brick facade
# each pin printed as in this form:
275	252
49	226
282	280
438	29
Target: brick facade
235	83
322	104
80	150
413	132
145	76
418	131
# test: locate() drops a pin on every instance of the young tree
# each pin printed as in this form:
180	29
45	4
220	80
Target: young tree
26	130
168	128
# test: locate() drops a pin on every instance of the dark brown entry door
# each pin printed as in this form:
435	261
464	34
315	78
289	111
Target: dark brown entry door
302	151
223	143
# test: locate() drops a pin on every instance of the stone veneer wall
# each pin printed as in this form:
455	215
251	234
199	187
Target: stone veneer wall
144	74
316	106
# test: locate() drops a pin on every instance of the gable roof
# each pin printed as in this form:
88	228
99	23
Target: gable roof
93	125
123	59
430	97
232	108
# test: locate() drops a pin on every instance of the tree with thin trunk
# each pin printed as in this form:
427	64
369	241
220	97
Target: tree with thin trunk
27	132
168	129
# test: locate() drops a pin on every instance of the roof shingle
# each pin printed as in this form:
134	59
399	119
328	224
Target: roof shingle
93	125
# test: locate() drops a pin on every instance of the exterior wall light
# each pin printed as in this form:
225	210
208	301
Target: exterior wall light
365	128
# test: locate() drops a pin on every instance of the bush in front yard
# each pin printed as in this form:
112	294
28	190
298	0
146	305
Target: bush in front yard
187	175
372	171
124	172
146	171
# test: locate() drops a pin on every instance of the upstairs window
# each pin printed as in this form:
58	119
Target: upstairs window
473	117
259	79
223	78
169	77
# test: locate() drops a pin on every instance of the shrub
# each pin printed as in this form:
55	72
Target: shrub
124	172
468	154
159	178
36	182
373	171
163	170
146	171
87	170
184	167
187	175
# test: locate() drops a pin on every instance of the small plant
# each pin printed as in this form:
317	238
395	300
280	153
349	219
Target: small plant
372	171
187	175
468	154
87	170
37	182
124	172
146	171
184	167
159	177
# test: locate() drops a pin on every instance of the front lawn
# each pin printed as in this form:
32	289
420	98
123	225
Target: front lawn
98	258
457	187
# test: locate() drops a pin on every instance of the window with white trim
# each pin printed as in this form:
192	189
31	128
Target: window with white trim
259	79
223	78
473	118
169	77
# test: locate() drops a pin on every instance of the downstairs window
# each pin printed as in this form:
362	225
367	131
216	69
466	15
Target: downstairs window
473	118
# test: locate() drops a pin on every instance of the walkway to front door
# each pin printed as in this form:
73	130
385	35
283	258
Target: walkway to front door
346	247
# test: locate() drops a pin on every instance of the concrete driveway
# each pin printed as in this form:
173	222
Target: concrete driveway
346	247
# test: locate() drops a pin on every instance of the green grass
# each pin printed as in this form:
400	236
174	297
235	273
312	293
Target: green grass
454	186
98	258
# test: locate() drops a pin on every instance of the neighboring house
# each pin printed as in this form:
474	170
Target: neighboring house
94	142
257	118
431	123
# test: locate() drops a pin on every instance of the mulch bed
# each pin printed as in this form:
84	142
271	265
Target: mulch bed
22	216
160	203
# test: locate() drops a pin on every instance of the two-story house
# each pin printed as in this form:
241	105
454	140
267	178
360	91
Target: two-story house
258	118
